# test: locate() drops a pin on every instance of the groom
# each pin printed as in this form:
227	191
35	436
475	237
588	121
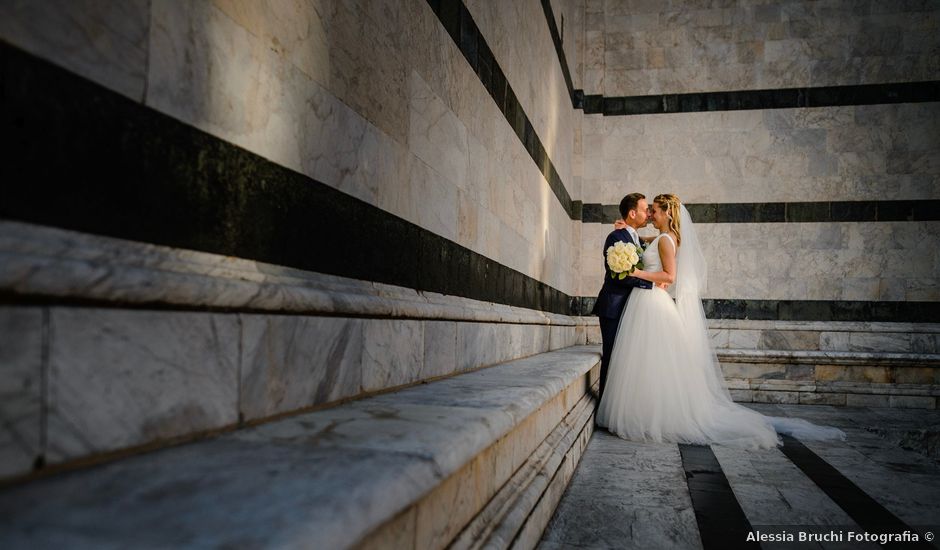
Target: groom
613	296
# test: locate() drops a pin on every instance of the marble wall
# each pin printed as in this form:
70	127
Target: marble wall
569	18
372	98
866	152
639	47
877	261
869	152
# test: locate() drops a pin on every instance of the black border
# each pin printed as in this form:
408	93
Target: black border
560	51
721	521
739	100
871	516
781	98
803	310
79	156
459	24
790	212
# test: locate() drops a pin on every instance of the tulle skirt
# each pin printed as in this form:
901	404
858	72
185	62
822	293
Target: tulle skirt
663	386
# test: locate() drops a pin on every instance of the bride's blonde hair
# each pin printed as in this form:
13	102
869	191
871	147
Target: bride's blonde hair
669	204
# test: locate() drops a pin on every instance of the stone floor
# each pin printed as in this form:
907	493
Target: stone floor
628	494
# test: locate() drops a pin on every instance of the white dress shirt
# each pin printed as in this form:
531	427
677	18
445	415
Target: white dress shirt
634	234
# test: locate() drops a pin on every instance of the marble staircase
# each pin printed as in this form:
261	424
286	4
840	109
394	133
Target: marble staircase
476	459
832	363
111	347
864	364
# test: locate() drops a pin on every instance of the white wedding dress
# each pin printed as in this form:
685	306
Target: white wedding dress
664	382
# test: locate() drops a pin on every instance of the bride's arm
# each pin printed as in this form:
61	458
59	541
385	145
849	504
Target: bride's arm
620	224
667	253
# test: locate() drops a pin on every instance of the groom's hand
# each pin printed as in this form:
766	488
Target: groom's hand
663	286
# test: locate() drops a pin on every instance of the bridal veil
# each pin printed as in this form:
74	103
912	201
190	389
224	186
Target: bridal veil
691	282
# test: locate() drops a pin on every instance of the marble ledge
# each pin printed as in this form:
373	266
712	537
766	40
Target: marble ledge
587	321
46	261
878	388
524	492
337	474
828	357
853	388
820	326
824	326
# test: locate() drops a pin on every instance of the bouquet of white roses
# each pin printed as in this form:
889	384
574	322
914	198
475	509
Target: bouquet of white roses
623	258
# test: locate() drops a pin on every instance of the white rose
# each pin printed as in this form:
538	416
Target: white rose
622	256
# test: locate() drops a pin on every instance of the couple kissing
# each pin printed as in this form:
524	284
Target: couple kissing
660	378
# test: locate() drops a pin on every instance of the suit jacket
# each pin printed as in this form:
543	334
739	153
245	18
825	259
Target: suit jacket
613	296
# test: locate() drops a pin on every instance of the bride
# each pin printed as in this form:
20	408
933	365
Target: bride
664	382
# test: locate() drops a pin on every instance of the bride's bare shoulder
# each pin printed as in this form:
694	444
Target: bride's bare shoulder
672	239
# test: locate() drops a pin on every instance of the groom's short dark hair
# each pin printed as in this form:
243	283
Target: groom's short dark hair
629	203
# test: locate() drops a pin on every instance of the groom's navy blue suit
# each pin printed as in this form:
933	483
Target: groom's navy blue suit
611	301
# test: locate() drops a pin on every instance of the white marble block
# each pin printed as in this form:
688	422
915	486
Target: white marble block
440	348
289	362
393	353
435	134
104	41
481	344
21	344
562	337
120	378
649	47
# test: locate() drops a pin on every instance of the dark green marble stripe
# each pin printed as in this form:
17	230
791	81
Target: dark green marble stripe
459	24
82	157
786	98
868	513
721	520
805	310
790	212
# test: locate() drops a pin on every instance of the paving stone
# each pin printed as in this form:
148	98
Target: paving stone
904	481
616	477
625	494
773	491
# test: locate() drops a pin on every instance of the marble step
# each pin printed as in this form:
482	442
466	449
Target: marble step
832	336
518	513
37	260
111	346
847	358
625	494
854	378
828	336
412	469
